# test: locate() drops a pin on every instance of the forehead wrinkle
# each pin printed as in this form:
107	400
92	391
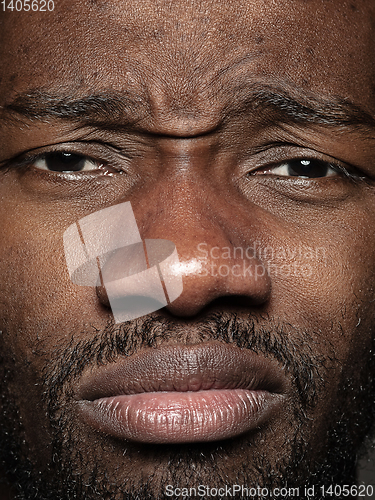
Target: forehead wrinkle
265	104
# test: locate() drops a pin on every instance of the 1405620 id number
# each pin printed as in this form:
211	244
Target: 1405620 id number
28	5
340	491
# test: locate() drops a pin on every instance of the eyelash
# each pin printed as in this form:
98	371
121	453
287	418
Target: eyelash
338	168
26	161
347	171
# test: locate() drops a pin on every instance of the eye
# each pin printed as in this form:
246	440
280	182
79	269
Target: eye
306	168
65	162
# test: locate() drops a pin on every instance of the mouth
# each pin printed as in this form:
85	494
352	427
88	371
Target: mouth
182	394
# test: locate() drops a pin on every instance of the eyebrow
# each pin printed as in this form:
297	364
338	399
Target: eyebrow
292	105
112	109
100	108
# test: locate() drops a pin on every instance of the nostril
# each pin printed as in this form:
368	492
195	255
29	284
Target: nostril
228	282
191	308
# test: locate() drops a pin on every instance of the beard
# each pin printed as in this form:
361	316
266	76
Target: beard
101	467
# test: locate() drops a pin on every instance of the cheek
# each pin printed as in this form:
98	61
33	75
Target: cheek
40	307
329	261
327	288
40	311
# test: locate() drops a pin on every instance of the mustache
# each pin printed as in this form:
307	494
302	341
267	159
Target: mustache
289	346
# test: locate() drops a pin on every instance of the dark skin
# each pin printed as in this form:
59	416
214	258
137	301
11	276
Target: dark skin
190	141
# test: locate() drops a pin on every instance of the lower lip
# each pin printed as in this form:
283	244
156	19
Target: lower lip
179	417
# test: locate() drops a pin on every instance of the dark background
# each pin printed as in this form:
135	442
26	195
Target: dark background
367	472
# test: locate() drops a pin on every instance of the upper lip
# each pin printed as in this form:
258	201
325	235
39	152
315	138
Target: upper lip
179	368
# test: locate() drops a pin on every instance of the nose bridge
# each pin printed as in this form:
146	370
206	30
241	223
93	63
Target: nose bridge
185	208
179	208
183	196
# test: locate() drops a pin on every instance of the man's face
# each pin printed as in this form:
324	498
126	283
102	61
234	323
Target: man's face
229	126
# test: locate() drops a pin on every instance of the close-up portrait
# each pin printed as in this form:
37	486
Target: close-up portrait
187	249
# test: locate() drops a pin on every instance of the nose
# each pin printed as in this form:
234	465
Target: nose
214	262
216	259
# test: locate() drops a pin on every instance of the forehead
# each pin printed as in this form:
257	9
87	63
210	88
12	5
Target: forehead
186	55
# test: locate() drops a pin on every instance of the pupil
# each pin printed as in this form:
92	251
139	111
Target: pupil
64	162
308	168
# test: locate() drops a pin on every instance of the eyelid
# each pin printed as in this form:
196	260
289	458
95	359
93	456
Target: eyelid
31	160
268	170
275	154
338	167
38	163
103	154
